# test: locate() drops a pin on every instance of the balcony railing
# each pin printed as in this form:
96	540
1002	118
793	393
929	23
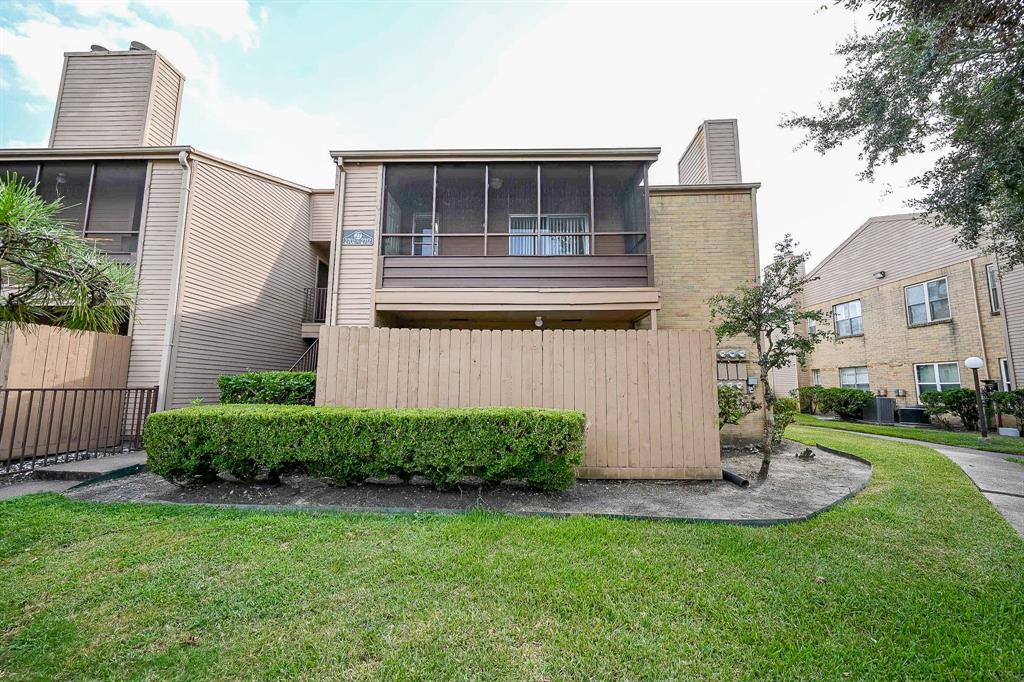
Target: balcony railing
315	309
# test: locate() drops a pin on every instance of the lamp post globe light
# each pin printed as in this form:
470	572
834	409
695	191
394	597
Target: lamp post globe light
975	363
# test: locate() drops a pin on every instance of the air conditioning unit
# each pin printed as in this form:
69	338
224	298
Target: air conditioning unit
881	411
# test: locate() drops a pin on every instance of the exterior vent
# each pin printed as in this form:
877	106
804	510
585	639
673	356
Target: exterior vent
137	46
98	48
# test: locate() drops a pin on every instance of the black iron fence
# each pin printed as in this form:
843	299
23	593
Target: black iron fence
307	363
40	426
316	305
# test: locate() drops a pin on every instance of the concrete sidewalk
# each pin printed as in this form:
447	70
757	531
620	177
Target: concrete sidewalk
998	479
57	478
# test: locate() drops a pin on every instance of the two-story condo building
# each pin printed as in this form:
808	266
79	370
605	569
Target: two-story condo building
239	269
908	306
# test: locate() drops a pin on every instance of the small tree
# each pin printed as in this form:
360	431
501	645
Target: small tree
51	274
769	314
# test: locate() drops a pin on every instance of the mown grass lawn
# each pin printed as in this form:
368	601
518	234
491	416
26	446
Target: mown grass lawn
961	439
916	577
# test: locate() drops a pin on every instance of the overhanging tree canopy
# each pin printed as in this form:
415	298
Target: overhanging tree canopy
946	75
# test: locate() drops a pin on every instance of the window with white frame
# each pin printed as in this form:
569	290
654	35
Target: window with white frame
936	376
1004	375
854	377
992	275
812	327
928	302
816	377
849	321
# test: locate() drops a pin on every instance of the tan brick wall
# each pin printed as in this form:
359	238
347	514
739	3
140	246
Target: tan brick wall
890	348
704	243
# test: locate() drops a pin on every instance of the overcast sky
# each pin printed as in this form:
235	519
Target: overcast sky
276	86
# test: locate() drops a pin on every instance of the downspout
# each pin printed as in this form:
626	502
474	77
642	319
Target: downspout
977	317
172	297
1012	370
335	264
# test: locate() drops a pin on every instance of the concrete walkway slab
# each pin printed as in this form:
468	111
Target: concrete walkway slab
999	480
85	469
9	492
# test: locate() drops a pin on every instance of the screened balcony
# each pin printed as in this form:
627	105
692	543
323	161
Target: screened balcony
100	199
550	224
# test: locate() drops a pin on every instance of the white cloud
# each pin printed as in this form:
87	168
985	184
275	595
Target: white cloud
96	8
280	139
227	19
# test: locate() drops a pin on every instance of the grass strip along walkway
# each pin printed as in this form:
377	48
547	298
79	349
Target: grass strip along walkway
960	439
916	577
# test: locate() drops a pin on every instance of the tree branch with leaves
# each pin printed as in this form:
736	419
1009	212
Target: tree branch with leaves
944	75
769	314
50	274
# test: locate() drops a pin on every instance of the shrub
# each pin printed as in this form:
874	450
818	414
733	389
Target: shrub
1009	402
733	404
785	411
349	445
845	403
808	397
277	388
959	402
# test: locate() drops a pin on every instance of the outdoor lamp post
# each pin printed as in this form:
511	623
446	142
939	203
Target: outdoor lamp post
974	364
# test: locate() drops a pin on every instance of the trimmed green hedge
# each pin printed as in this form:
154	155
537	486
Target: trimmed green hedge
347	445
272	388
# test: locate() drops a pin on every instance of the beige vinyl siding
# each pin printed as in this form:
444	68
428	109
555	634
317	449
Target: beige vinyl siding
103	100
356	263
723	151
156	260
246	262
1012	285
693	167
322	206
784	380
165	104
899	245
713	156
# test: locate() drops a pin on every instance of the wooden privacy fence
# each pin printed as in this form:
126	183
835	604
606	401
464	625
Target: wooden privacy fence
650	396
63	391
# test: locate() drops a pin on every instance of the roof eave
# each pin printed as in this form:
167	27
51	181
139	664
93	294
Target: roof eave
454	155
704	187
40	153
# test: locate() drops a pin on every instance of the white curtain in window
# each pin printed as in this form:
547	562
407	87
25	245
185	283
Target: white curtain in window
562	244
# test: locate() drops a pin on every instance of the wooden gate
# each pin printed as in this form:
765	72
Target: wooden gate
650	396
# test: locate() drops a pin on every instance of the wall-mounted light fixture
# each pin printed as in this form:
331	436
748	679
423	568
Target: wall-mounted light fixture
539	322
880	274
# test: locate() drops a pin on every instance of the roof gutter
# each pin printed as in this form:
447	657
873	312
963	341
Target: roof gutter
428	155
